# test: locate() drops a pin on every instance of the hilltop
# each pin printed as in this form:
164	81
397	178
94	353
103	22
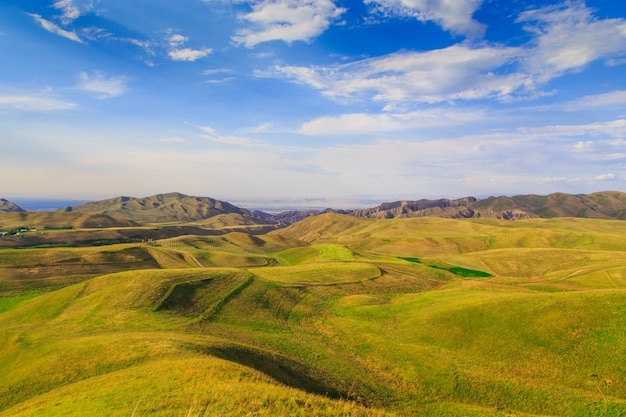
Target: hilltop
600	205
9	207
180	207
209	213
170	207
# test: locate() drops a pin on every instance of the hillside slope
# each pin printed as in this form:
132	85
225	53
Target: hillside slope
177	207
600	205
8	207
165	208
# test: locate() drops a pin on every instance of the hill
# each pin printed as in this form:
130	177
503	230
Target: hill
56	220
171	207
335	315
600	205
9	207
177	207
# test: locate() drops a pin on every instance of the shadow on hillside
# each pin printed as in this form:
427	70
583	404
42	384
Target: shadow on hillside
285	370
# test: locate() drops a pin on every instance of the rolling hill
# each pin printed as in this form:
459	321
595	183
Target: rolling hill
171	207
208	212
600	205
9	207
180	207
335	315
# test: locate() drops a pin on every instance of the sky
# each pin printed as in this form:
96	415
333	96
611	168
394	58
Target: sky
311	102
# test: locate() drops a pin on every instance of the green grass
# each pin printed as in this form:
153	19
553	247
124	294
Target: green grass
457	270
8	303
333	252
323	318
324	273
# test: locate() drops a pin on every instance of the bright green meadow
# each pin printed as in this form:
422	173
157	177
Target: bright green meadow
332	316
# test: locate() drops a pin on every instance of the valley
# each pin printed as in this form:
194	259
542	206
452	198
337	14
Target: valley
334	315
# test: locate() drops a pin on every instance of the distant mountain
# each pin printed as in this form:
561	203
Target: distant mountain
8	207
600	205
171	207
439	208
204	211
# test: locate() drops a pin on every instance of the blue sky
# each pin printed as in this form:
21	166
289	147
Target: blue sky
328	101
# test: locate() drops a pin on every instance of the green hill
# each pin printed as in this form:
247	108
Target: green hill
55	220
335	315
172	207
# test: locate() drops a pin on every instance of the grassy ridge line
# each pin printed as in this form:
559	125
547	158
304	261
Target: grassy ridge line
472	347
214	310
186	386
320	273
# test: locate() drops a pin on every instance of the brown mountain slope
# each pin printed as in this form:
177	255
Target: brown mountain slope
439	208
170	207
8	207
600	205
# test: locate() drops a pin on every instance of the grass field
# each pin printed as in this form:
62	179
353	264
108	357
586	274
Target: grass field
333	316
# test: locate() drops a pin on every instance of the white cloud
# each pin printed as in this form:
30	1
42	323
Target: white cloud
188	54
568	37
614	129
286	20
177	39
453	73
101	85
614	98
53	28
178	53
33	103
363	124
564	39
70	11
452	15
73	9
605	177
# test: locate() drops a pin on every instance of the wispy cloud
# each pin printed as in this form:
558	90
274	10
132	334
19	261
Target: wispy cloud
102	85
365	124
567	37
29	103
564	39
73	9
213	136
453	73
614	98
53	28
455	16
614	128
286	20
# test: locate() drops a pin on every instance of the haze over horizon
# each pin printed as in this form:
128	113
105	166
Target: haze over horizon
303	99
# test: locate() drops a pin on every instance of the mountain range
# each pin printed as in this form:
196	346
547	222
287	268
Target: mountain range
204	211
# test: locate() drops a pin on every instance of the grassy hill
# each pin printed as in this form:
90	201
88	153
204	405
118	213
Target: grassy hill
335	315
55	220
601	205
165	208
